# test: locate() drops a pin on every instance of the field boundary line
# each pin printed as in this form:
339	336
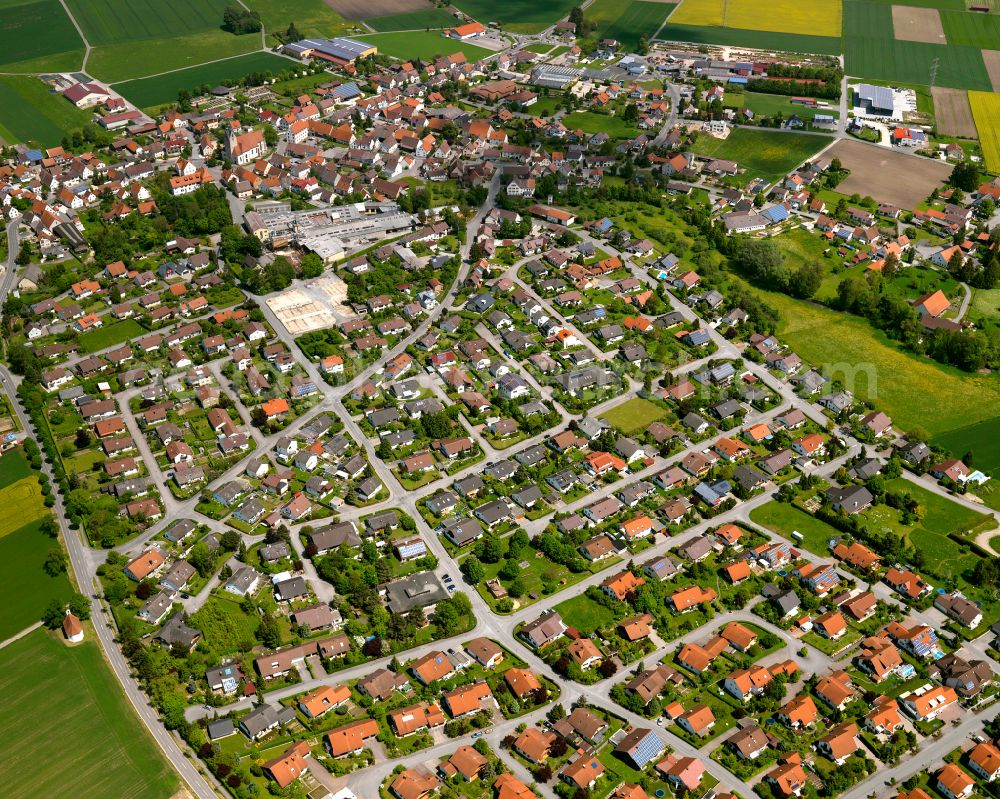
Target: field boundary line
205	63
20	635
79	30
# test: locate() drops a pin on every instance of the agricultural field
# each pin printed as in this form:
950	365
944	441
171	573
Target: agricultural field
25	498
809	17
764	153
117	62
115	21
982	439
972	29
871	51
986	112
311	17
911	24
425	45
431	17
627	22
915	392
25	588
44	678
37	36
887	175
633	415
517	16
991	58
148	92
762	40
31	112
365	9
953	113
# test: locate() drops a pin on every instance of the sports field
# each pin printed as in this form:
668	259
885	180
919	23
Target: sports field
30	111
40	33
517	16
764	153
915	392
432	17
809	17
148	92
633	415
424	45
92	745
986	112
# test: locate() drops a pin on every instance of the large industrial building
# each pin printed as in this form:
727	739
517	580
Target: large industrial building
329	232
339	51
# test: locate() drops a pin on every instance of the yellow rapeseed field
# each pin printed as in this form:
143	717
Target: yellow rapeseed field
986	112
809	17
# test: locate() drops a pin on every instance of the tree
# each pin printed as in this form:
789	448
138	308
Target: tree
643	45
268	631
55	562
52	616
965	176
83	438
238	20
292	34
79	606
806	280
473	570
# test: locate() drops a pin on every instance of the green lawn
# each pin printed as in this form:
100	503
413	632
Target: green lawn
37	36
519	16
591	122
763	153
425	45
148	92
915	392
771	104
94	747
25	588
432	17
941	516
584	614
784	518
985	303
30	111
109	335
224	625
633	415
